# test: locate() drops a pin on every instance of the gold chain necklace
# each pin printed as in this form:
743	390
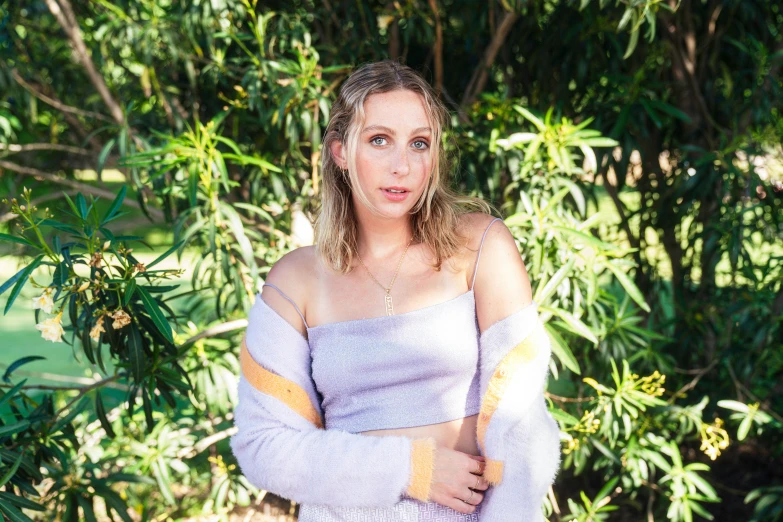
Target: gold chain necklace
387	298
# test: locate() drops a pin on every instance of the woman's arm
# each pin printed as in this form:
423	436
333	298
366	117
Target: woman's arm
502	286
515	431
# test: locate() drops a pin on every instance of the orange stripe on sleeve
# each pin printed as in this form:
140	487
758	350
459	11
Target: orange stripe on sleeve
521	354
285	390
422	467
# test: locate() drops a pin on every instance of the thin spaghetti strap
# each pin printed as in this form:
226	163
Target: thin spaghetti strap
478	257
290	301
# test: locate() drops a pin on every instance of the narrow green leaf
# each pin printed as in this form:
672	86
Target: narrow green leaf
17	239
734	405
9	394
20	362
744	427
127	477
22	279
100	410
608	487
136	346
544	292
75	410
113	501
251	160
87	509
561	350
165	254
574	324
105	151
81	203
155	313
130	288
625	19
563	417
11	471
21	502
632	42
115	205
530	117
13	514
629	286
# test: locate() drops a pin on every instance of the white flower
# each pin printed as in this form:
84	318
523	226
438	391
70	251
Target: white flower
120	319
44	301
95	333
52	328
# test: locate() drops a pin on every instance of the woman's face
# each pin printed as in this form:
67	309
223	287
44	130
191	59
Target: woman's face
393	154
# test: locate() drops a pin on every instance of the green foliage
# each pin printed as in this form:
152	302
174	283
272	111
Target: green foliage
222	106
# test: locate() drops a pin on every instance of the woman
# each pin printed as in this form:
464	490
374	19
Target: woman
389	335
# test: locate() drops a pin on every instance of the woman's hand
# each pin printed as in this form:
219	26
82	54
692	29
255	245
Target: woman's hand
455	477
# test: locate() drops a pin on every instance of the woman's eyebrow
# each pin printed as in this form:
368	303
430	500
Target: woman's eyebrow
387	130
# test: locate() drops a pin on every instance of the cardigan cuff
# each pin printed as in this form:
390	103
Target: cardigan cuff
422	467
493	471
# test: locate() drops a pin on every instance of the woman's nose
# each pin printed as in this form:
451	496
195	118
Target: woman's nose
401	163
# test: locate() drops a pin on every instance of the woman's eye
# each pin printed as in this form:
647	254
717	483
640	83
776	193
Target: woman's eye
424	144
377	138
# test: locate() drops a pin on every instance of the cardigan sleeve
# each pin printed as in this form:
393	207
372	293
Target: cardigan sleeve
280	444
515	432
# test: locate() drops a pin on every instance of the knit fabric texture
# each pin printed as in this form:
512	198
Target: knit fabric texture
373	373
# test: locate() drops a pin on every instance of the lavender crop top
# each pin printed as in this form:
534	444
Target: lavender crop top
398	371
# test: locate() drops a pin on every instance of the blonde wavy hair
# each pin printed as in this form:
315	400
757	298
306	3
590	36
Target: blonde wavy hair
434	218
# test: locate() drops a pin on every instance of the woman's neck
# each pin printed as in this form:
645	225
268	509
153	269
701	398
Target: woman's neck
379	238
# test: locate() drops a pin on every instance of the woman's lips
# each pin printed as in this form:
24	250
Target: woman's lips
393	194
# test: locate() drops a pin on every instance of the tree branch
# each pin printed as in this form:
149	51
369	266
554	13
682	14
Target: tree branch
87	189
218	329
63	12
437	49
57	104
28	147
479	78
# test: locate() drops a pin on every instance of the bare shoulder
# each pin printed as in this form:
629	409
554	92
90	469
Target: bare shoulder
292	275
473	225
502	286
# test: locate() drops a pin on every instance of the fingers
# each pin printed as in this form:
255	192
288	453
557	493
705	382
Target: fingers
457	504
461	489
477	483
476	465
474	499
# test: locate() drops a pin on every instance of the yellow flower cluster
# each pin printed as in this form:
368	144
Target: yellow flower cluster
572	444
588	423
652	384
713	438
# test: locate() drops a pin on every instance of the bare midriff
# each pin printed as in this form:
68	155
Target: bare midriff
459	434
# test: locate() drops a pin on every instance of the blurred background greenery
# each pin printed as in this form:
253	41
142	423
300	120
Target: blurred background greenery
157	157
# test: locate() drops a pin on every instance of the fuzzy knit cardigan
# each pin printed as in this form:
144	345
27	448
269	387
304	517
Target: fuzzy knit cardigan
281	446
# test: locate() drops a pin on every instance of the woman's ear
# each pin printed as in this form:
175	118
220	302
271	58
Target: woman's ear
338	153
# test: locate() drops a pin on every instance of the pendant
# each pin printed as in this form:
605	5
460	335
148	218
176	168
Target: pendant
389	307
